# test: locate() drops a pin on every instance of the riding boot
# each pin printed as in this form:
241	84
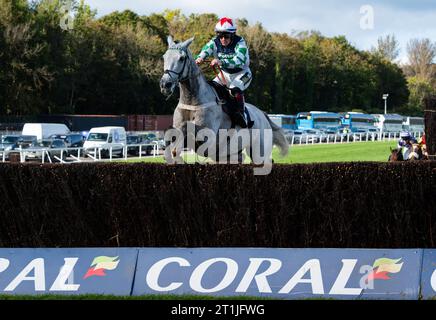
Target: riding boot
240	110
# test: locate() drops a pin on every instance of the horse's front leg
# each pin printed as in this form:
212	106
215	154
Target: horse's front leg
174	149
173	155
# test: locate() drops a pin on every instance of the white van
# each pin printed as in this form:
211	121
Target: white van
44	130
105	138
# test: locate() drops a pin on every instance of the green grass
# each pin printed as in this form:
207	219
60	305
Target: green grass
347	152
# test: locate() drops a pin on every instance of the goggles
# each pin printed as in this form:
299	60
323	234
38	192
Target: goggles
224	35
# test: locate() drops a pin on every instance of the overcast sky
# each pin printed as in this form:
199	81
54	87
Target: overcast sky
405	18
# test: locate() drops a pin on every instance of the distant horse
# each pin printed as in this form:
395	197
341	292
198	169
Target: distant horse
396	155
200	107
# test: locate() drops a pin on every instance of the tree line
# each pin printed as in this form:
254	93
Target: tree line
112	64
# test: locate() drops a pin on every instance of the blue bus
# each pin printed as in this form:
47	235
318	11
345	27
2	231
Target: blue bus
287	122
319	120
357	121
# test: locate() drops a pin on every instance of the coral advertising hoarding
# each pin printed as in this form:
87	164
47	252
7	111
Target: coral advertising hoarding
280	273
393	274
67	271
428	278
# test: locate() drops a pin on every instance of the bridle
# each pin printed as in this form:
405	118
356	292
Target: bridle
175	76
178	74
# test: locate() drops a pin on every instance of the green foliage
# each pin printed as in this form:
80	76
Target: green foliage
117	19
112	65
419	89
261	46
389	79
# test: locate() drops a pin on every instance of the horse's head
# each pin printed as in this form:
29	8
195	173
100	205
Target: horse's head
396	155
177	61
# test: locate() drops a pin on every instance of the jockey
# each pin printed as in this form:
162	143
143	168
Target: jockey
406	144
405	139
230	52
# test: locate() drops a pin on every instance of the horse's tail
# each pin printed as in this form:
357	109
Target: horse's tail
279	138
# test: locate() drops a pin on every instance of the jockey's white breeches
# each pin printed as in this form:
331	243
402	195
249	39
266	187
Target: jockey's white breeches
241	80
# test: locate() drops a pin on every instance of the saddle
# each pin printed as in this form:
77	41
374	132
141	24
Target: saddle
229	103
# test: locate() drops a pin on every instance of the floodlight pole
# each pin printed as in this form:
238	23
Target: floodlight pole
385	98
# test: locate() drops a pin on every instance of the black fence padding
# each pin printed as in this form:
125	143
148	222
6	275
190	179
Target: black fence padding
335	205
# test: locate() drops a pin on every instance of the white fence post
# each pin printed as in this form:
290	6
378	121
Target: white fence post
22	158
156	149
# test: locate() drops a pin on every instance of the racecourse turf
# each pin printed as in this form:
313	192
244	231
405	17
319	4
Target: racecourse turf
346	152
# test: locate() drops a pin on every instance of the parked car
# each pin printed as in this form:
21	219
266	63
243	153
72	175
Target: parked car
331	135
373	134
160	142
36	150
135	139
13	142
359	135
72	140
306	136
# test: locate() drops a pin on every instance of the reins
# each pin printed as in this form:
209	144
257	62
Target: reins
178	74
218	71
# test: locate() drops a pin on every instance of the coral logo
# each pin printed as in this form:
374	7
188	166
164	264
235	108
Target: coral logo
100	264
382	267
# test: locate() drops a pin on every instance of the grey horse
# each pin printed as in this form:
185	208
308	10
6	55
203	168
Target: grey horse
199	108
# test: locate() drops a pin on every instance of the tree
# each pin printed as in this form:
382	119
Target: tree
421	54
288	67
113	64
24	75
14	12
260	45
419	89
389	79
387	47
116	19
